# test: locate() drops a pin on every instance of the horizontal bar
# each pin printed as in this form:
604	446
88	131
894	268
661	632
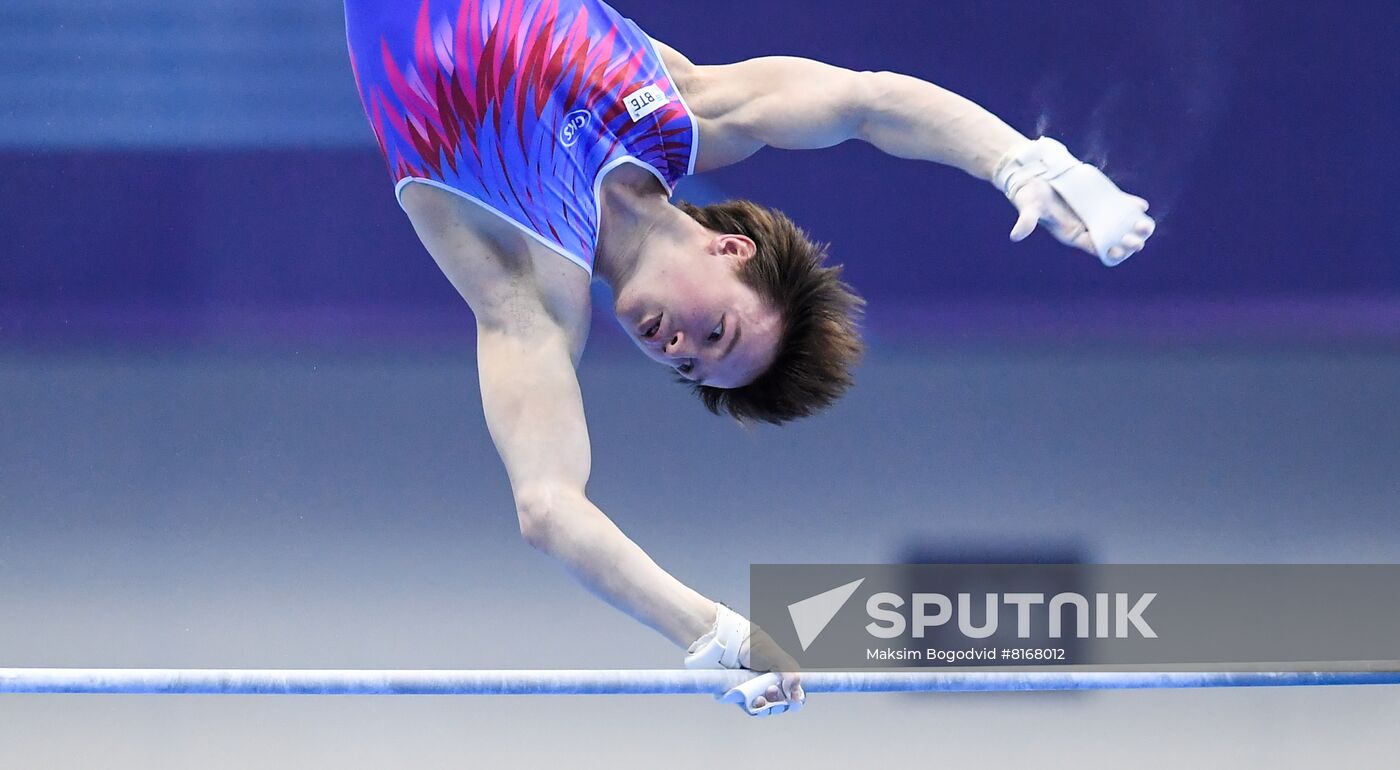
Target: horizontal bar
621	682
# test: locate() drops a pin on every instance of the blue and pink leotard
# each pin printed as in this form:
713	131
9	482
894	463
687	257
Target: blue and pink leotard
519	105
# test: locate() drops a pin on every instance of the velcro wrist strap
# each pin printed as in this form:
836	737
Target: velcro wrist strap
725	646
1043	158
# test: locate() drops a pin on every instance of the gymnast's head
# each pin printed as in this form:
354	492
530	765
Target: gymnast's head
747	313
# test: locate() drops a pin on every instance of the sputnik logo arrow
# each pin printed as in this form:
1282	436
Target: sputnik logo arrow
811	615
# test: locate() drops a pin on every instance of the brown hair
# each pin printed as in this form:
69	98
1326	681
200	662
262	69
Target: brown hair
819	344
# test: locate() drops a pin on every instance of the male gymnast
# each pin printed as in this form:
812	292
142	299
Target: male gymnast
534	144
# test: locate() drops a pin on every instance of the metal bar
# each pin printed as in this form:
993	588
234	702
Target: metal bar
622	682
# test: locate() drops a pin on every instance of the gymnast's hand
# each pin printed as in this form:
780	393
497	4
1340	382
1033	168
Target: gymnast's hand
735	643
1038	203
781	690
1078	204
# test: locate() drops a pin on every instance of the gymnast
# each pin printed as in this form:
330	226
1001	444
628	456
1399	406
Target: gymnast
534	145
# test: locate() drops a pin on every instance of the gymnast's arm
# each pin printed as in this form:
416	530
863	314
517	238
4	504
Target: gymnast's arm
534	411
799	104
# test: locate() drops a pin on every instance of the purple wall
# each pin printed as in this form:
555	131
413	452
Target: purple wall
1260	133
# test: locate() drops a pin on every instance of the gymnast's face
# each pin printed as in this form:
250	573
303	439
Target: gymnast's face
687	308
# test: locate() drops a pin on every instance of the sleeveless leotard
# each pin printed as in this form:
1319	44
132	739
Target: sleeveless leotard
519	105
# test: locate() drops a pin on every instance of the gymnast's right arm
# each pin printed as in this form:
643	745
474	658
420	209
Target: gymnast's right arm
534	411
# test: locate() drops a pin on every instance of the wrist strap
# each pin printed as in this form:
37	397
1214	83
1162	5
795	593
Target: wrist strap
1043	158
725	646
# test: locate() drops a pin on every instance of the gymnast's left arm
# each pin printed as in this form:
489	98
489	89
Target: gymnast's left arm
793	103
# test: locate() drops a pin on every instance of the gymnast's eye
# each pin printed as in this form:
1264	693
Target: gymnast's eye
717	332
686	367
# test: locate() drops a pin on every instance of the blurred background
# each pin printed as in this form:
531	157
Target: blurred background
239	424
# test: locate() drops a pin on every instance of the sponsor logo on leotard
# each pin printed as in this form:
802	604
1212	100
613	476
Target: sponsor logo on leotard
572	129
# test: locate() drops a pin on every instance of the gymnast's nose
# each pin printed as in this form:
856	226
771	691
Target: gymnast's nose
674	346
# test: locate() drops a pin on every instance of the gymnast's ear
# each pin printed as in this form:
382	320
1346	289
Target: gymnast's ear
738	248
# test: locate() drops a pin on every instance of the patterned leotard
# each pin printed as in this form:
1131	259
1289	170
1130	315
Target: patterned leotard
519	105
